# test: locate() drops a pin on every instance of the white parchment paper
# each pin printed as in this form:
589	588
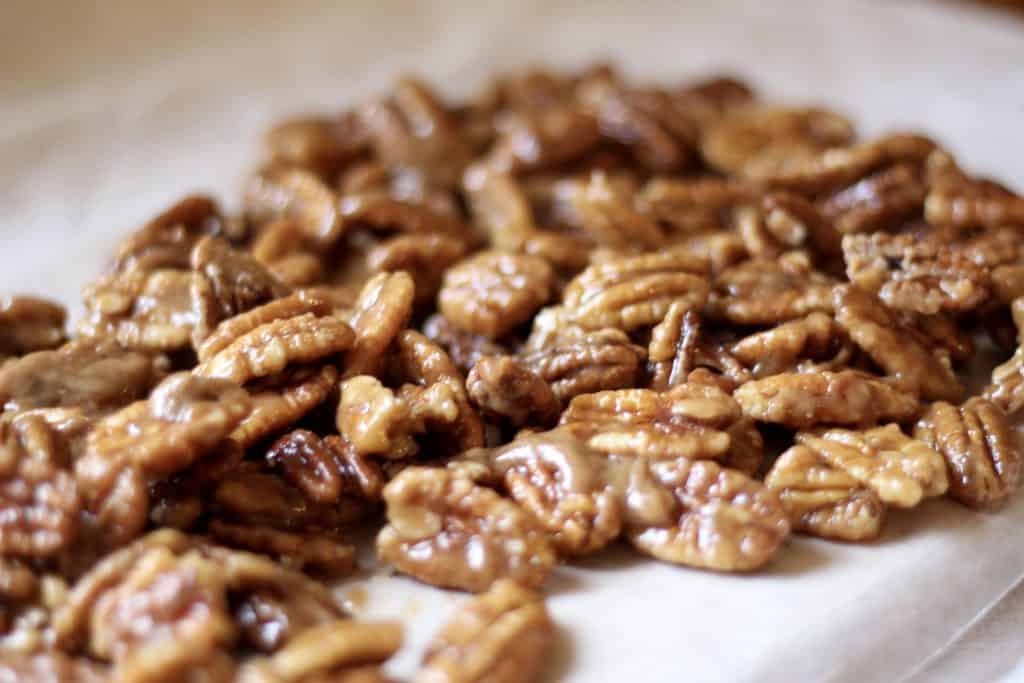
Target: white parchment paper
111	110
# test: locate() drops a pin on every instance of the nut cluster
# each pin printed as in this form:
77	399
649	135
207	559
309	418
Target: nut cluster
503	334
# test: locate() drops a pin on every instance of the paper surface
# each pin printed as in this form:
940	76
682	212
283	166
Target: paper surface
111	111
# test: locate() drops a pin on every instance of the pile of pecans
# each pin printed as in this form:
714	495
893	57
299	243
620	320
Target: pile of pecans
504	334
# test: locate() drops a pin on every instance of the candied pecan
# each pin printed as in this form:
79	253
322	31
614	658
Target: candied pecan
686	421
677	348
315	143
815	172
95	376
321	553
150	311
290	306
693	206
969	204
646	122
575	364
267	618
342	651
325	469
755	132
636	291
721	519
236	284
500	636
503	388
764	292
881	201
411	130
153	609
183	419
499	207
980	446
605	210
542	138
425	257
296	193
901	470
823	500
381	311
560	481
444	530
464	348
166	240
287	253
423	363
281	400
708	100
29	324
492	292
254	496
778	349
781	221
940	332
38	495
271	347
876	329
926	275
802	400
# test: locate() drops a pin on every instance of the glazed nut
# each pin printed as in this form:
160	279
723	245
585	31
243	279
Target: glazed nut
493	292
980	447
446	531
502	388
823	500
500	636
803	400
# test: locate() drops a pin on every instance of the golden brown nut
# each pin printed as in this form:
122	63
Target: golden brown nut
271	347
319	144
926	275
719	519
235	283
38	495
148	311
968	204
504	389
166	241
980	447
542	138
687	421
881	201
754	133
464	348
765	292
823	500
52	667
94	376
577	362
342	651
299	194
325	469
281	400
381	311
678	348
606	211
635	291
500	636
901	470
29	324
444	530
779	349
288	253
324	554
378	421
493	292
279	309
426	257
565	486
499	207
876	329
802	400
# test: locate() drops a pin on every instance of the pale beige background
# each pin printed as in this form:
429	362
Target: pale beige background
111	110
